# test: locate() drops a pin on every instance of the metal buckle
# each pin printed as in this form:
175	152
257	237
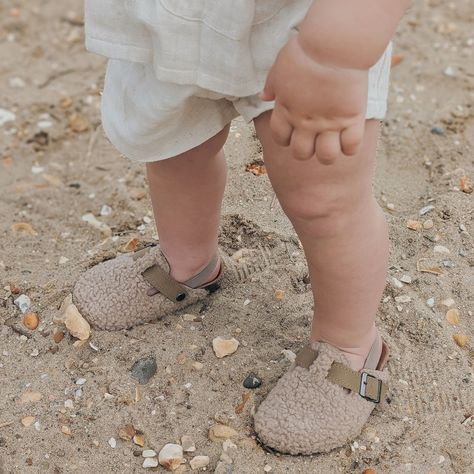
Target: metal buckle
363	387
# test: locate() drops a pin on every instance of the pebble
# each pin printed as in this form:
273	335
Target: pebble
105	210
224	347
198	366
252	381
76	324
428	224
30	321
403	299
171	456
437	131
188	444
66	430
92	220
460	339
448	302
441	249
37	425
406	279
16	82
219	432
430	302
396	283
6	116
144	369
223	468
113	443
199	462
289	355
426	209
81	381
139	440
150	462
69	404
27	421
149	453
267	468
23	303
450	71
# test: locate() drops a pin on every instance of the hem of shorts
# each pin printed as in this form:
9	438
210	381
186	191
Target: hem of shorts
114	50
376	109
132	155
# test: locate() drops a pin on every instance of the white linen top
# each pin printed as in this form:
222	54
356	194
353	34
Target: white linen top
226	46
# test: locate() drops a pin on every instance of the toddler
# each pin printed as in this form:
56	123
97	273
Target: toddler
313	78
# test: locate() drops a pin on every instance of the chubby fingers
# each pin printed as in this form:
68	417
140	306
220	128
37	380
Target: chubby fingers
280	127
351	139
328	147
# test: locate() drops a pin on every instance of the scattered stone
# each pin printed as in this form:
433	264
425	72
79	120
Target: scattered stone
223	468
403	299
441	249
449	71
430	302
267	468
131	245
81	381
252	381
414	225
30	321
228	445
126	432
58	335
189	317
27	421
397	283
448	302
426	209
23	303
437	131
171	456
150	462
6	116
113	443
30	397
188	444
198	366
224	347
66	430
452	316
139	440
92	220
69	404
199	462
219	432
428	224
149	453
23	228
144	369
226	458
105	210
76	324
63	260
289	355
406	279
460	339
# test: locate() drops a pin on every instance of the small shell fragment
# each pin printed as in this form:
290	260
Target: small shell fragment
460	339
30	321
452	316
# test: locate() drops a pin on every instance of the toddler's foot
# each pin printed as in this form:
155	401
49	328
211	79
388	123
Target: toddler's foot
322	402
137	288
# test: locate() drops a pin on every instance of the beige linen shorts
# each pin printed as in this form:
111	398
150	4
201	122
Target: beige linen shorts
150	120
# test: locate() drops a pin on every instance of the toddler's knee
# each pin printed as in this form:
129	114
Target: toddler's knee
323	211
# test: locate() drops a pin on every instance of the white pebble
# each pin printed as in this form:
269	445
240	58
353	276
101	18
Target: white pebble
150	462
113	443
23	302
171	456
6	116
105	210
426	209
149	453
430	302
199	462
246	302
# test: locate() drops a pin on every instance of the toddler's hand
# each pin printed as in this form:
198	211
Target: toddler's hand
319	109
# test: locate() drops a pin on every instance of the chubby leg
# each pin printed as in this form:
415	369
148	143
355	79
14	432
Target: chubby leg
186	193
344	236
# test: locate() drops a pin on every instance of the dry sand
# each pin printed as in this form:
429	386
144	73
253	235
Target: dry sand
52	176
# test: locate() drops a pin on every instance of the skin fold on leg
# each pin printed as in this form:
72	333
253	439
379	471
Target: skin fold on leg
186	194
344	235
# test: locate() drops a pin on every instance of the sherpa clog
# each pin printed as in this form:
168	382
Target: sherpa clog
134	289
321	403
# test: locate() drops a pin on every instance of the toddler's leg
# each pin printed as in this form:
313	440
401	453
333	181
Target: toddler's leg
344	236
186	193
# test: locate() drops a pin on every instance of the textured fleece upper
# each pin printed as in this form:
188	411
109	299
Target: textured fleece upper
306	414
113	294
